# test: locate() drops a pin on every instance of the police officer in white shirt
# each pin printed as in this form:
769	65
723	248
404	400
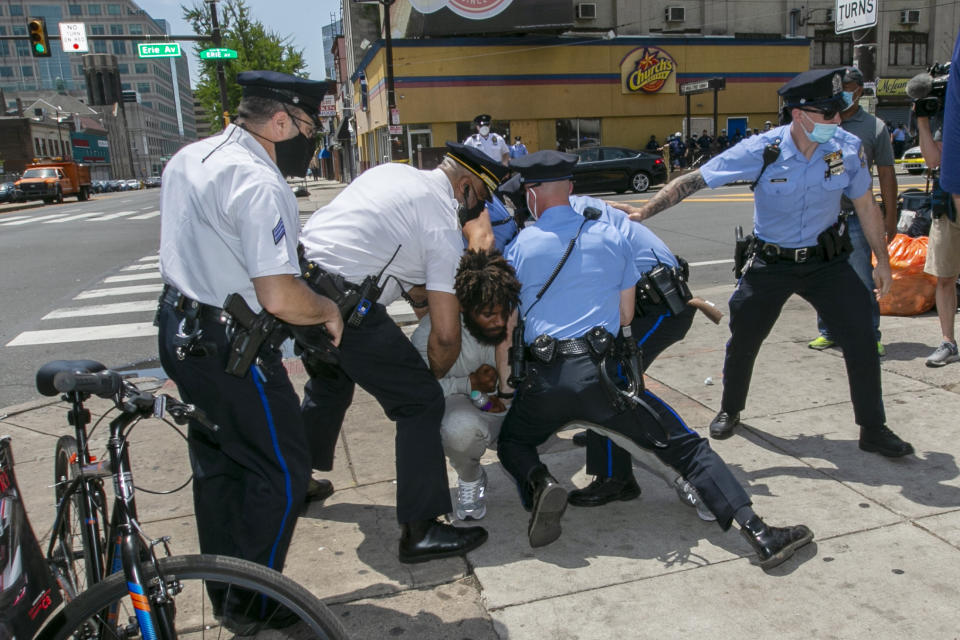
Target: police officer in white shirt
229	224
491	144
393	228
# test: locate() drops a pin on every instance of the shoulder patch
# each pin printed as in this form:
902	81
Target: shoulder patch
278	232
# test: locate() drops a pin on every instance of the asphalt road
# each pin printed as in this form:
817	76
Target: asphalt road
80	280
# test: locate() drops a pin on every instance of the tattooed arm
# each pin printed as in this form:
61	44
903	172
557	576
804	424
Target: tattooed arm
675	191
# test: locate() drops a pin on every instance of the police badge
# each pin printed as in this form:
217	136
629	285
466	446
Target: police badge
834	162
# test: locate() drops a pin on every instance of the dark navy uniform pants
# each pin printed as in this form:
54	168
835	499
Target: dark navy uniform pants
654	331
250	477
382	360
569	389
837	294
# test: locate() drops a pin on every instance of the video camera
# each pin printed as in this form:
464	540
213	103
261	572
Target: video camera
929	89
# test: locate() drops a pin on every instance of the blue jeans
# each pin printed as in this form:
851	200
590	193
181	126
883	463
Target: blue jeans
861	262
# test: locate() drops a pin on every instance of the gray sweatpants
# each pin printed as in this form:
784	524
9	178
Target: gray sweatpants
466	433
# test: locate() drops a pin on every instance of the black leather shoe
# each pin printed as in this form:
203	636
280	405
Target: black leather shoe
723	425
427	540
774	545
549	503
318	490
885	442
604	490
580	439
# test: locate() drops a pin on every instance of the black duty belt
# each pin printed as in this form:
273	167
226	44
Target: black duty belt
798	255
545	349
173	297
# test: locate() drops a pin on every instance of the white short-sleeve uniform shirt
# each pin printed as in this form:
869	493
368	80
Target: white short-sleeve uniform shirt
226	216
390	206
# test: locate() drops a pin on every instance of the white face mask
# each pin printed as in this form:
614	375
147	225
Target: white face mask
484	131
532	208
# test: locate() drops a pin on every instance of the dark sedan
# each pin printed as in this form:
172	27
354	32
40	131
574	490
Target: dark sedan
10	193
617	169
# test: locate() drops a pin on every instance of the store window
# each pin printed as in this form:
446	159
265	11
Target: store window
831	49
907	49
575	133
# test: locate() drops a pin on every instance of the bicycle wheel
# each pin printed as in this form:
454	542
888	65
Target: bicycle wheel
253	601
71	555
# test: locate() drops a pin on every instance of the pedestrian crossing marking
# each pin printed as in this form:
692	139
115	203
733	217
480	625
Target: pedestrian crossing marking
32	219
148	258
142	267
83	334
146	216
102	309
119	291
112	216
130	277
79	216
12	218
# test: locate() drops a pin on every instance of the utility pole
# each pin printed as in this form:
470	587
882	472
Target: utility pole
391	96
221	75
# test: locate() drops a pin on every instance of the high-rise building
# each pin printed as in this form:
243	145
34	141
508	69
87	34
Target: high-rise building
329	33
161	117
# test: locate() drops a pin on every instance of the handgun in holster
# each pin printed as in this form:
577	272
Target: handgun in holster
251	332
834	241
743	247
518	363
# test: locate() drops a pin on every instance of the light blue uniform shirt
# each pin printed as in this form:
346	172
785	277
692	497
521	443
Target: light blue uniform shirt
796	199
648	249
586	293
504	226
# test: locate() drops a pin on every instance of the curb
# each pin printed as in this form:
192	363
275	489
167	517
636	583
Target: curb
20	206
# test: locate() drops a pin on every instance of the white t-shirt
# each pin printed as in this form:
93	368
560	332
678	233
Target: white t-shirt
493	145
388	206
226	216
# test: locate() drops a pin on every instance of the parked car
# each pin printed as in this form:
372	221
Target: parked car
913	161
116	185
133	184
617	169
152	182
10	193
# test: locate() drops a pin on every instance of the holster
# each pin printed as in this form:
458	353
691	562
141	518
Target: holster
941	202
663	285
835	240
743	249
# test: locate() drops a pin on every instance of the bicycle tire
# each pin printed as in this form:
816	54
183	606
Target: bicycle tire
82	617
70	554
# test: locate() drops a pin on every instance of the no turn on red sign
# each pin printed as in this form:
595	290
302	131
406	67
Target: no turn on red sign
73	37
855	14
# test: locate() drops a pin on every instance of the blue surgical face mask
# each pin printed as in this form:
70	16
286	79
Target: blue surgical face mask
847	99
822	131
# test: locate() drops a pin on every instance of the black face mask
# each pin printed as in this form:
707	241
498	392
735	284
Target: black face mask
294	155
467	213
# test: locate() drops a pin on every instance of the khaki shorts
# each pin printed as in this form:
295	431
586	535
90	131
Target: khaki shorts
943	250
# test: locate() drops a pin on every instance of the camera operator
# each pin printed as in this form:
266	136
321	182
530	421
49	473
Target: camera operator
942	155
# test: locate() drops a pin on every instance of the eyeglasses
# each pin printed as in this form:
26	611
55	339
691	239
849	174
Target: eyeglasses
828	113
309	123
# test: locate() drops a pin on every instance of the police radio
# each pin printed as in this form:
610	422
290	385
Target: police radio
369	292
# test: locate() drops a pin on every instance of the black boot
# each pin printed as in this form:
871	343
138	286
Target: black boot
774	545
723	425
603	490
318	490
549	503
580	439
885	442
426	540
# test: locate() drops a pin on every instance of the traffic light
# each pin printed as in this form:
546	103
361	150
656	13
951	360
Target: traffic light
39	44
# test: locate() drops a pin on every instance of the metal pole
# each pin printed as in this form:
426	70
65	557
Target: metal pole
391	96
221	75
715	130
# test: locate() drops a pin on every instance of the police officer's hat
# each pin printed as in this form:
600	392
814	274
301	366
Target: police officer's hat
852	74
482	119
817	89
478	163
545	166
282	87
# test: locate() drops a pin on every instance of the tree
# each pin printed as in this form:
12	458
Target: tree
257	48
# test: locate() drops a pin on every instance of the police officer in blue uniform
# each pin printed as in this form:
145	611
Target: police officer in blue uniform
578	279
229	224
799	171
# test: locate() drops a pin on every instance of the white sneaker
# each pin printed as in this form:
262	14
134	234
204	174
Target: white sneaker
689	496
945	354
471	498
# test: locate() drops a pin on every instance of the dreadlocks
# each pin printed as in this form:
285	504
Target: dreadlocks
485	280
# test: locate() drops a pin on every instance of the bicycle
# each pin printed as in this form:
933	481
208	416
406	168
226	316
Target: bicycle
113	581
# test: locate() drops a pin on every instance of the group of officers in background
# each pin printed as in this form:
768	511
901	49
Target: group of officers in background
569	316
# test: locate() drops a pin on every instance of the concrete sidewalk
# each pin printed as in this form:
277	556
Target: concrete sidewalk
885	562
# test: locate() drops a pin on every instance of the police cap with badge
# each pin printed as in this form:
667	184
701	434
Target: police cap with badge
299	92
478	163
815	90
544	166
482	119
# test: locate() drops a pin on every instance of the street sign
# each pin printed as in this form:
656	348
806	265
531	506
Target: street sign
396	129
218	54
328	108
73	37
158	49
855	14
701	86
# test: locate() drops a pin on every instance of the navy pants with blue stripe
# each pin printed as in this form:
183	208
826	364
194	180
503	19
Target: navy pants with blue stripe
654	331
568	389
250	477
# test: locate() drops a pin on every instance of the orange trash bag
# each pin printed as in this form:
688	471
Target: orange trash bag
912	291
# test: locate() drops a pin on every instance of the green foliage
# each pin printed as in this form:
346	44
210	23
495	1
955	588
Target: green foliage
257	47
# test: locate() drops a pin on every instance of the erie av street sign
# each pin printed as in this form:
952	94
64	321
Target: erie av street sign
158	49
218	54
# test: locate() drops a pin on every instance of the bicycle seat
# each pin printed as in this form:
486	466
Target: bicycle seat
46	373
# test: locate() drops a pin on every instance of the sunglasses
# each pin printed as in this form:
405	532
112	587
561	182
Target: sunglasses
827	113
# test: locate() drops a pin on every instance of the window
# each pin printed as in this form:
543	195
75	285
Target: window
43	147
907	49
6	72
140	67
19	30
97	30
136	29
143	87
93	10
831	49
578	132
616	154
123	68
113	10
125	86
99	46
76	10
16	10
36	144
120	47
26	71
1	10
116	29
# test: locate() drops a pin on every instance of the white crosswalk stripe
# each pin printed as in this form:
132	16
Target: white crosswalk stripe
73	216
130	277
142	267
103	309
79	216
146	216
12	218
83	334
112	216
34	219
119	291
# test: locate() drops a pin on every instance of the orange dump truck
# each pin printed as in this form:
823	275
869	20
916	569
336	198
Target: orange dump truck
51	181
